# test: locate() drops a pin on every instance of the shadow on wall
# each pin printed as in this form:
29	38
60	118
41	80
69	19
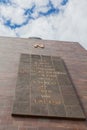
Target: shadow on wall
35	38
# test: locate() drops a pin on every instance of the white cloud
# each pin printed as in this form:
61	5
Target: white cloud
23	3
29	3
15	14
41	2
69	25
56	3
4	31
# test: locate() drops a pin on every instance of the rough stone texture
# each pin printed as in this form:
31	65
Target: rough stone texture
39	90
75	58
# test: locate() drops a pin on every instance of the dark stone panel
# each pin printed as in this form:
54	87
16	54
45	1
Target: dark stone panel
47	60
58	65
54	88
36	57
23	80
39	109
24	68
74	111
70	99
45	89
63	80
57	110
25	58
22	95
67	90
21	108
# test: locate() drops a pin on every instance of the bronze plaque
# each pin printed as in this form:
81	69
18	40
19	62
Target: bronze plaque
44	88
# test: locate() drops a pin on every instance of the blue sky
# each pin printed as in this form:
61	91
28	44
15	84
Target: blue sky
48	19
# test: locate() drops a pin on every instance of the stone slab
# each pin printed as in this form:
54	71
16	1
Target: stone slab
44	88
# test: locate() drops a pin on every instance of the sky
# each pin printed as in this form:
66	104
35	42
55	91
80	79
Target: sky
64	20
